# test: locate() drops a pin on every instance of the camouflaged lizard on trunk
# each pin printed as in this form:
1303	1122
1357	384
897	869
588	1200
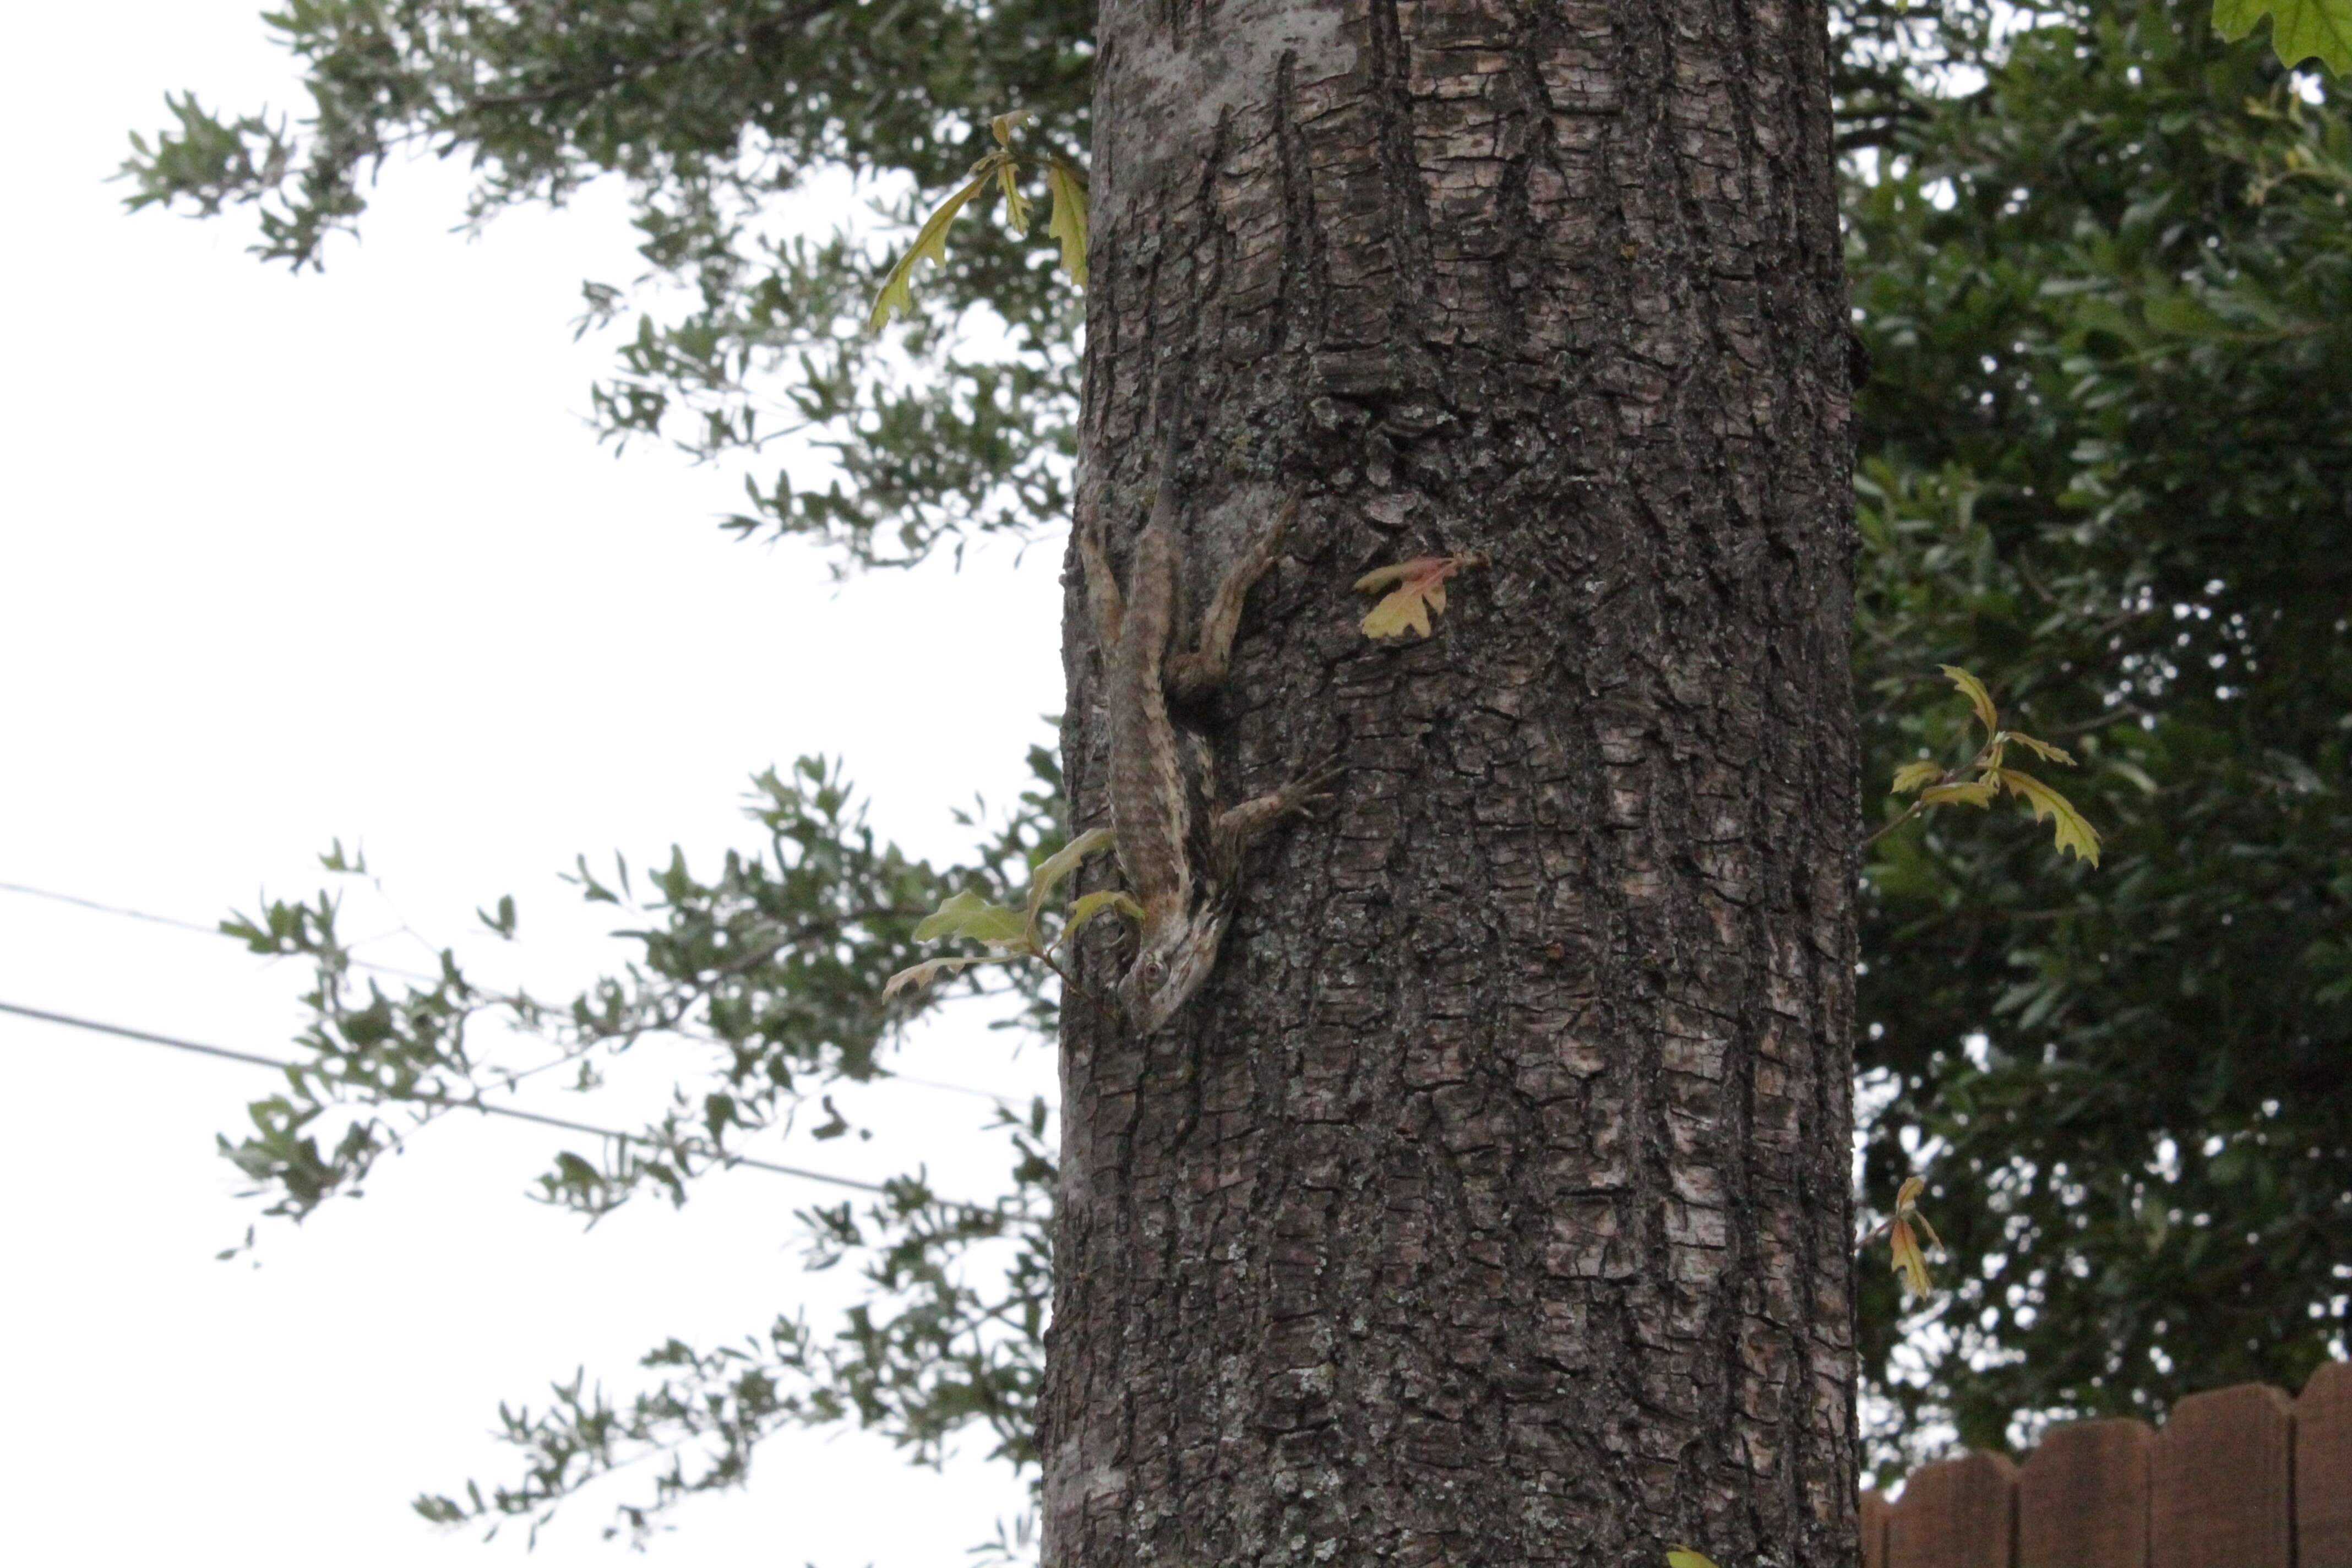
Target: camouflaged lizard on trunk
1183	914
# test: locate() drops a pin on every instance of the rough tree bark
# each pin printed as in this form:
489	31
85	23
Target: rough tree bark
1490	1205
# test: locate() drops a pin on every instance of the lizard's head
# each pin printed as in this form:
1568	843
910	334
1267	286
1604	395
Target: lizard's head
1168	971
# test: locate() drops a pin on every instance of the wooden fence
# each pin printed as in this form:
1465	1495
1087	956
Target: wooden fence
2240	1477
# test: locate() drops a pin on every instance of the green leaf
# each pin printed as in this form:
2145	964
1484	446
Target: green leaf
1684	1557
2072	831
1068	188
1002	126
1909	1261
1977	695
1911	775
918	976
2300	30
1016	205
967	914
1093	904
1051	870
897	293
1978	791
2044	749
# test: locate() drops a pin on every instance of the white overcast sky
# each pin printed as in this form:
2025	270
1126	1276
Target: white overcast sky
291	558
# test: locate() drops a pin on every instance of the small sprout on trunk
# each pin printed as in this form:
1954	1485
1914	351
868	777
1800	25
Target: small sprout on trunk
1416	591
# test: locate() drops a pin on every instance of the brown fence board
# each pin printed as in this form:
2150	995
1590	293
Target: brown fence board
1875	1512
2083	1497
1959	1514
2222	1481
2323	1467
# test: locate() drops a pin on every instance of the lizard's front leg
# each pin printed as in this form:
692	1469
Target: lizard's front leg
1102	588
1195	675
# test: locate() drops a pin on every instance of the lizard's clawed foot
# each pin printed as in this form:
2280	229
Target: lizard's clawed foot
1312	790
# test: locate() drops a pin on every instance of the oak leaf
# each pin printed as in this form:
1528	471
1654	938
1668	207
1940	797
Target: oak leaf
970	915
1068	189
918	975
1909	1261
897	295
1911	775
1416	591
1979	696
1016	204
2072	832
1050	871
2069	829
1089	905
1976	792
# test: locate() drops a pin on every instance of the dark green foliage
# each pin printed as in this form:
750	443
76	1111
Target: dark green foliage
2103	269
2106	466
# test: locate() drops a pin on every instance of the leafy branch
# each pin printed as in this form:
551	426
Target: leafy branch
1001	168
924	1354
1011	935
1910	1262
777	963
1950	786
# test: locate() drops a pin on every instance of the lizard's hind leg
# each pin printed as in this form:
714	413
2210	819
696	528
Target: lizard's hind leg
1244	824
1195	675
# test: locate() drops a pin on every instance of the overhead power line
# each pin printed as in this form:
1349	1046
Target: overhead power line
121	912
126	914
514	1113
107	909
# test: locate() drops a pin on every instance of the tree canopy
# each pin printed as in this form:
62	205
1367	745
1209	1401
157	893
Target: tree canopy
2100	260
2104	463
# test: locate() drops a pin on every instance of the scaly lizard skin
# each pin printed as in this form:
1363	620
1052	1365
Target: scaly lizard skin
1183	916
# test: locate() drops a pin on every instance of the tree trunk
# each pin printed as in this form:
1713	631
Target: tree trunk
1490	1204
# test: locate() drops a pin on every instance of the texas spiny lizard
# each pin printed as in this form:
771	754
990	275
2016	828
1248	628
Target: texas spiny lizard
1183	916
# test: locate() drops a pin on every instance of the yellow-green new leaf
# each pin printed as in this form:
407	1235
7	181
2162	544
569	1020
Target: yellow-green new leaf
967	914
2070	830
897	295
1909	1262
1977	695
1092	904
918	976
2043	749
1053	868
1977	792
2300	30
1684	1557
1069	225
1911	775
1016	205
1005	125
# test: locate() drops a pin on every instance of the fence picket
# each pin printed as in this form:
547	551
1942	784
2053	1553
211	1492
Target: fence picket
1875	1512
1959	1514
2222	1482
2240	1477
2323	1467
2083	1497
